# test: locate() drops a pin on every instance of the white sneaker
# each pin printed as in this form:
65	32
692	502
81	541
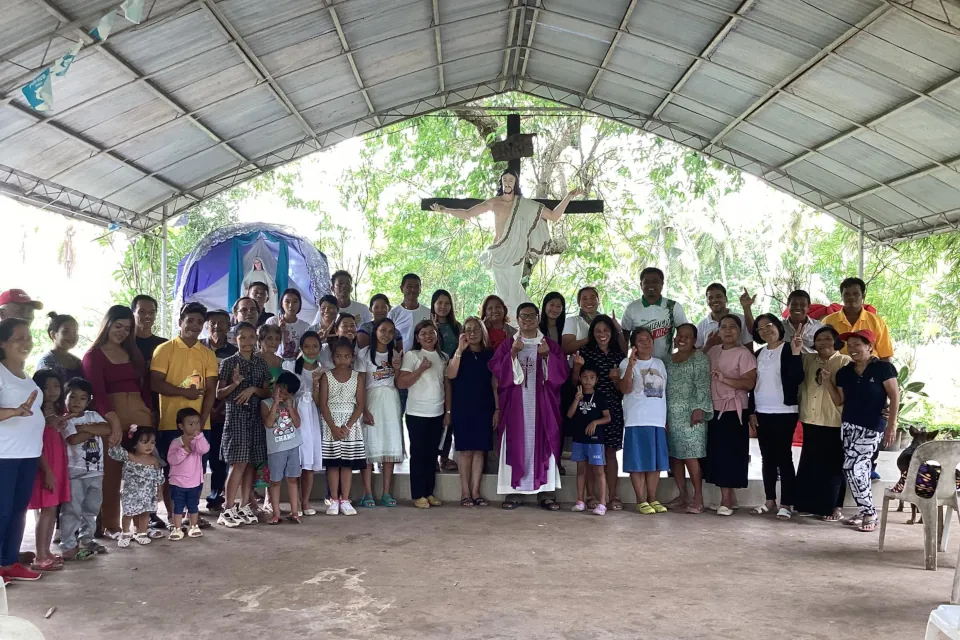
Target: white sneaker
347	509
334	508
247	515
229	518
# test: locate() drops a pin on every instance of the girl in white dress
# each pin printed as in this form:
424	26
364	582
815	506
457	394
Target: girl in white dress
341	405
382	419
308	369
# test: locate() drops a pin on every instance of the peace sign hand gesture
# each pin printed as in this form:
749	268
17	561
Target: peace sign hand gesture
796	343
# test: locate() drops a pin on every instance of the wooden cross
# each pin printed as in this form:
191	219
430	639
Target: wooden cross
514	147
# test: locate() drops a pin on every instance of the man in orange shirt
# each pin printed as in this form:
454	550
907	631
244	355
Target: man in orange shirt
853	317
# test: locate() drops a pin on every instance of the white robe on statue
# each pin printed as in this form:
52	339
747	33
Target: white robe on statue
526	235
524	365
261	275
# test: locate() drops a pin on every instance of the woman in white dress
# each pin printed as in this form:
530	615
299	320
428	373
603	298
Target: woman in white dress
382	418
308	369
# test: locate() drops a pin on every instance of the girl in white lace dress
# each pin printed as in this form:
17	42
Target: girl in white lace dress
341	405
308	369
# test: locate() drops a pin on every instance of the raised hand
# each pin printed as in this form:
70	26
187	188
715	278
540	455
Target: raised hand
397	360
747	300
543	348
439	208
713	340
578	359
796	343
517	347
634	356
579	393
462	343
575	193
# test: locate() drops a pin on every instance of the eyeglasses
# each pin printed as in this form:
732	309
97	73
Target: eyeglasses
766	327
528	316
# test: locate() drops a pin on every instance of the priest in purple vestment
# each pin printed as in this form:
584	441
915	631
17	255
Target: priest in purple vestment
530	371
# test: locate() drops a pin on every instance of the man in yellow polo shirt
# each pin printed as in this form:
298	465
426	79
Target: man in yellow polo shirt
184	373
853	317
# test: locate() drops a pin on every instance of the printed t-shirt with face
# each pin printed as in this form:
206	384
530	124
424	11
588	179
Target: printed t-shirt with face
21	436
404	320
380	374
290	333
425	398
84	460
709	326
646	404
282	435
864	396
590	408
658	319
183	367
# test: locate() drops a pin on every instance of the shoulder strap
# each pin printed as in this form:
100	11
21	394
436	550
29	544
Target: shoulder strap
670	305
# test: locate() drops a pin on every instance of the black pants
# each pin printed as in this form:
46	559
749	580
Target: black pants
218	468
820	482
425	434
775	437
447	444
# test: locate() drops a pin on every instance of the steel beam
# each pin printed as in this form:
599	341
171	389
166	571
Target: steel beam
436	38
800	71
704	55
533	30
613	45
353	64
508	44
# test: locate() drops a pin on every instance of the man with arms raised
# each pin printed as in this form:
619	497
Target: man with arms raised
521	234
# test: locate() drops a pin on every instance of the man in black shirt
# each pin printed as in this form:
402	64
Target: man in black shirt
218	326
144	309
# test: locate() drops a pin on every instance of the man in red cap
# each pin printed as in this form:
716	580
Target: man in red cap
15	303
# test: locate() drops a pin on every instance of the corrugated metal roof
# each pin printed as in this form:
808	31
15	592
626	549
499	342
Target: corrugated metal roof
852	106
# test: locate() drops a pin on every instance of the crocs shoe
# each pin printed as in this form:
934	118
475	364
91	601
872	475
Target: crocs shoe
644	508
600	510
579	506
657	507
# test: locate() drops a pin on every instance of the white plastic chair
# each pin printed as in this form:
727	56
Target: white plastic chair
13	628
947	454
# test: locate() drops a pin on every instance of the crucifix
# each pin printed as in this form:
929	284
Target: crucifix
521	230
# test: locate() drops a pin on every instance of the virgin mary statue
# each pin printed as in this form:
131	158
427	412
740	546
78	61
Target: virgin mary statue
258	273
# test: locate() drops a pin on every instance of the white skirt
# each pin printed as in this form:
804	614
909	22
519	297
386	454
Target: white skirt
311	434
383	440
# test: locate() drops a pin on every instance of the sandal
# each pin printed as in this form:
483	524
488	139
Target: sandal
203	523
142	538
854	521
123	541
870	524
466	502
112	535
81	554
176	534
50	564
644	508
676	504
95	546
760	510
592	503
367	501
616	504
388	500
784	514
151	534
480	502
510	504
274	520
657	507
548	504
294	519
195	532
833	517
695	509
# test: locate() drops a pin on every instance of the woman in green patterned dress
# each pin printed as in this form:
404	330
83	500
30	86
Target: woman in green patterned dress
689	407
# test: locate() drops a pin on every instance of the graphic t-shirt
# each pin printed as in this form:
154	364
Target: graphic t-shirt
646	404
84	460
282	435
659	319
380	374
590	408
290	333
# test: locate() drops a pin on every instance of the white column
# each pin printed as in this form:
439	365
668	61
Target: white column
164	298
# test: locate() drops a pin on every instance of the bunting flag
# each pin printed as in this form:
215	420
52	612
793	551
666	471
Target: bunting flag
132	10
62	64
103	29
39	93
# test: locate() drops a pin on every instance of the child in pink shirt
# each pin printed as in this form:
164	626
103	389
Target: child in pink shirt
185	458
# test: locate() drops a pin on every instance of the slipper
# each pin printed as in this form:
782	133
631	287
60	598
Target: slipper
616	504
388	500
548	504
274	520
592	503
676	504
309	511
579	506
480	502
203	523
510	504
292	519
600	510
724	511
833	517
50	564
95	547
854	521
644	508
870	524
760	510
695	510
784	514
466	502
657	507
367	501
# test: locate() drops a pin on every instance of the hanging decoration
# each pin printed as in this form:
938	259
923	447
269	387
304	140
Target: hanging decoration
39	91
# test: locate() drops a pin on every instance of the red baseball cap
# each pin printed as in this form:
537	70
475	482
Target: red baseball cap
865	334
19	296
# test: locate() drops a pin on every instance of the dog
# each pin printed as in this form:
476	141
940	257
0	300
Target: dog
903	463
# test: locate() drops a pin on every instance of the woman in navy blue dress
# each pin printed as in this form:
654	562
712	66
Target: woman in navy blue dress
474	407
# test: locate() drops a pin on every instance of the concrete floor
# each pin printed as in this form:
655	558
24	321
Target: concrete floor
485	573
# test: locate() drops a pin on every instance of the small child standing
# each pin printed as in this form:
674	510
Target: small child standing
341	405
587	415
282	422
185	458
142	479
52	486
84	433
643	381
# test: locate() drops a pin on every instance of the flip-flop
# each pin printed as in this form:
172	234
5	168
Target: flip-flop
833	517
694	510
388	500
274	520
112	535
760	510
676	504
854	521
480	502
510	504
466	502
549	504
869	525
784	514
50	564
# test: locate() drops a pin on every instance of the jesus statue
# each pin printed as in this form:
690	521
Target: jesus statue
521	233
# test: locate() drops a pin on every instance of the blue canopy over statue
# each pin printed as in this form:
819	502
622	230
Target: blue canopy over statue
228	260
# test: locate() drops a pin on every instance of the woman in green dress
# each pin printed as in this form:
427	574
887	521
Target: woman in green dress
689	407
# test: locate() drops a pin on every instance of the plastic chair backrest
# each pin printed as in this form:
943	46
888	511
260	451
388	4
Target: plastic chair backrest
947	454
13	628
